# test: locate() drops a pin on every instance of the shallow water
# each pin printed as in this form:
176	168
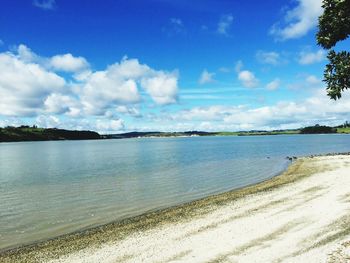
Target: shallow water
52	188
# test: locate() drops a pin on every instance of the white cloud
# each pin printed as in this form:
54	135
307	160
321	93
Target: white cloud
132	111
298	20
224	24
68	63
206	77
26	55
268	57
58	104
49	121
25	85
162	87
31	86
63	62
104	89
129	69
248	79
284	114
306	58
273	85
108	126
45	4
119	85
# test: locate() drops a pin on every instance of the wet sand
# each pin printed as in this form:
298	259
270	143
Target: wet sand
302	215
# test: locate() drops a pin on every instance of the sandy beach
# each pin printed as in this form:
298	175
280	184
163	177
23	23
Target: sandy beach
302	215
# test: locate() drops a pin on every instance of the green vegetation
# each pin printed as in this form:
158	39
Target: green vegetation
227	133
334	26
317	129
274	132
250	133
26	133
343	130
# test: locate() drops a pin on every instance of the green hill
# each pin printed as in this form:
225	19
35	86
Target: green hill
26	133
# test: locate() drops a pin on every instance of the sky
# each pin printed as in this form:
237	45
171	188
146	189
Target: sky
164	65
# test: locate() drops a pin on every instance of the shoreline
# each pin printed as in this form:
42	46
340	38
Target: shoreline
104	137
117	231
149	213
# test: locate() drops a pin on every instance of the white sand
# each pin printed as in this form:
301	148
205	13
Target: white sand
305	221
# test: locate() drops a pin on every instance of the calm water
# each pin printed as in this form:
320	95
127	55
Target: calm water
52	188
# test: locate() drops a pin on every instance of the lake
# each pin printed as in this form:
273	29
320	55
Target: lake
56	187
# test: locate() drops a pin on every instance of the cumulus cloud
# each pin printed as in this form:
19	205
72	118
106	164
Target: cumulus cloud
284	114
103	90
224	24
306	58
26	55
119	83
68	63
248	79
132	111
48	88
206	77
298	21
162	87
273	85
47	121
109	125
59	104
25	85
64	62
45	4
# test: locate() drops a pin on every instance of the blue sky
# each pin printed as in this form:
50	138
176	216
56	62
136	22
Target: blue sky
116	66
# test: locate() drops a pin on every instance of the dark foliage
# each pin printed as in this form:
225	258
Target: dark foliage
337	73
156	134
318	129
334	26
26	133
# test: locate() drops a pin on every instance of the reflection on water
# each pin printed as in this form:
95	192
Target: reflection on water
52	188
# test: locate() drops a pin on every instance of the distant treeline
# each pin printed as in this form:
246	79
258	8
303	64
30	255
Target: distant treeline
26	133
318	129
157	134
33	133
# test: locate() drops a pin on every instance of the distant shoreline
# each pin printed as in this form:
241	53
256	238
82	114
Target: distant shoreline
118	231
27	133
